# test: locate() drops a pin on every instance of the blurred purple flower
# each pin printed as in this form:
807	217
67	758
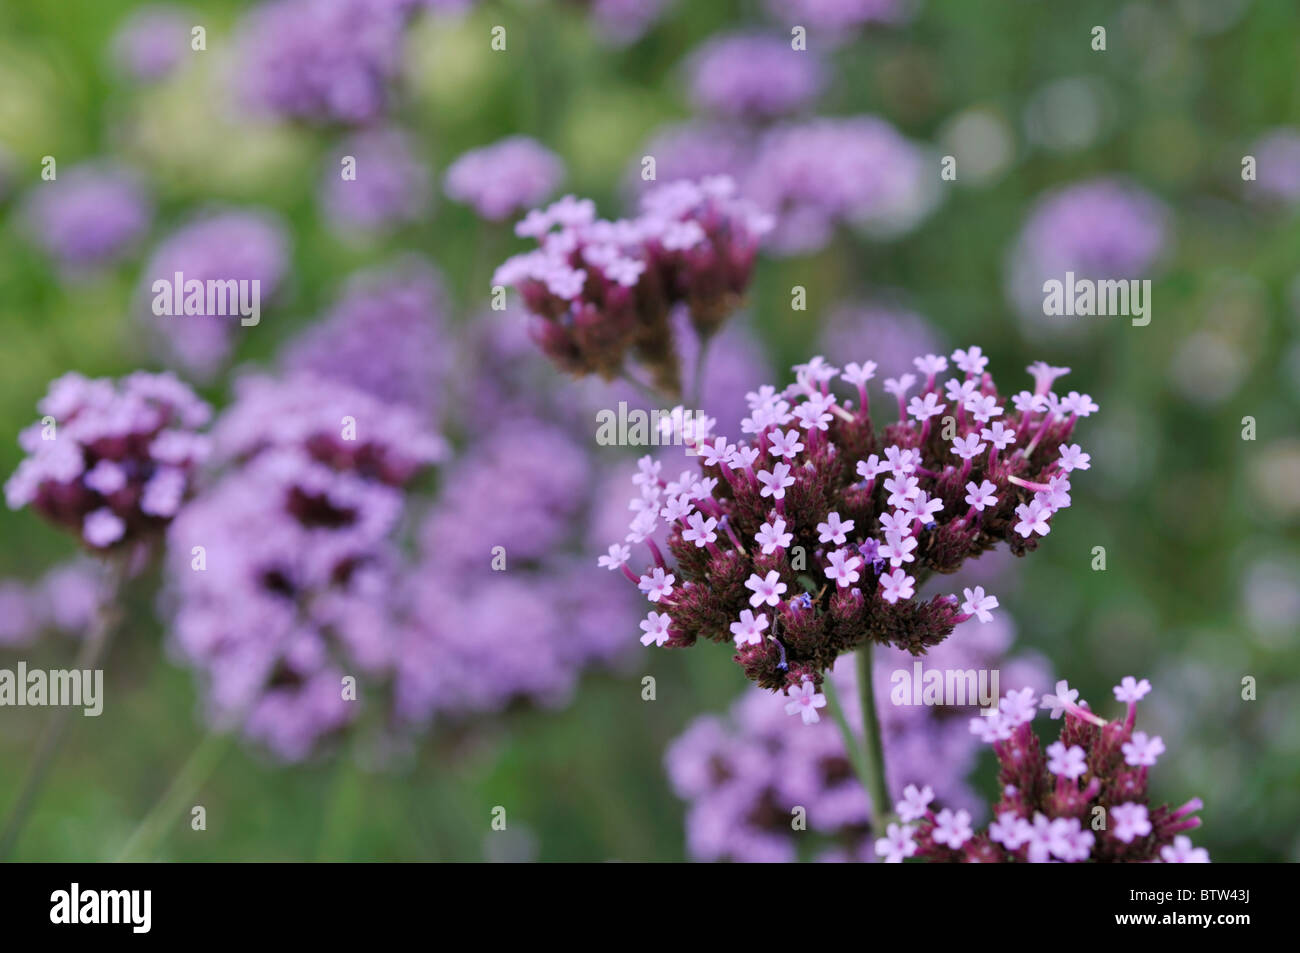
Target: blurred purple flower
328	61
1099	228
695	149
505	177
89	216
891	335
386	335
110	461
857	171
237	245
753	76
299	557
391	187
626	21
151	41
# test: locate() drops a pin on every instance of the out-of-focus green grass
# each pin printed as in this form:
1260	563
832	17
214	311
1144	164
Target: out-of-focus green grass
586	782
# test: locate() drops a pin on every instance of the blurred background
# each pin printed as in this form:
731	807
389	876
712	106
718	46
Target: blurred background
1123	161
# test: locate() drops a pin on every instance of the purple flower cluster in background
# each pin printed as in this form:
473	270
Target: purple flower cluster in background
152	40
386	335
1100	228
280	574
743	777
504	178
1084	799
324	61
753	76
233	245
391	187
111	461
88	216
834	16
63	601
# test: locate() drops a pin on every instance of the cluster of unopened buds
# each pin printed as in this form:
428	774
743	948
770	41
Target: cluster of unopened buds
813	536
1083	799
602	291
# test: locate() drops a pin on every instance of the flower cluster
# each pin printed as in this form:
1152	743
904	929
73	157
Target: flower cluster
111	461
151	42
813	537
326	61
505	177
743	776
88	217
603	290
227	245
1084	798
753	76
391	187
63	601
278	572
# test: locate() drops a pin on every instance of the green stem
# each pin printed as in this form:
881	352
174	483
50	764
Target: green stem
89	657
873	746
178	796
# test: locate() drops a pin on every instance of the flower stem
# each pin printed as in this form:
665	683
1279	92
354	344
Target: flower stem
873	747
202	762
93	649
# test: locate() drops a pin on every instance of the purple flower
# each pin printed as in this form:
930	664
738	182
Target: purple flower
223	246
695	149
327	61
858	171
602	291
928	515
1097	229
281	573
110	461
1045	804
89	216
625	21
388	186
504	178
152	40
753	76
386	335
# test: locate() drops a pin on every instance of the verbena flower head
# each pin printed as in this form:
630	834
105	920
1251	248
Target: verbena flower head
693	149
1083	799
111	461
625	21
602	291
391	188
753	76
153	40
504	178
232	245
298	551
89	216
326	61
829	525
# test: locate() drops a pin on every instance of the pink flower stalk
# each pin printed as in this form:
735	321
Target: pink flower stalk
602	291
832	525
1086	800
